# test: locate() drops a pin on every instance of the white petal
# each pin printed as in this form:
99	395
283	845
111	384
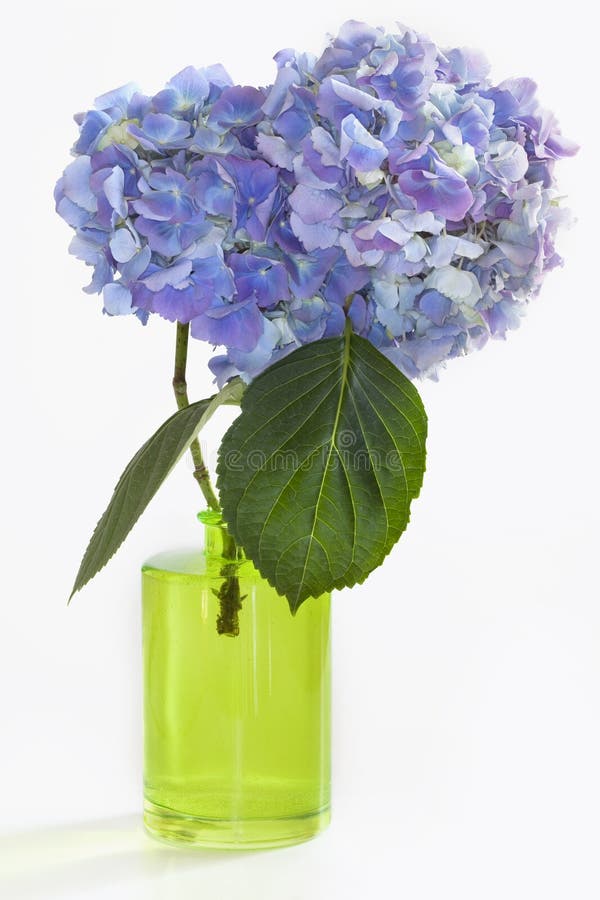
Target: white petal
458	285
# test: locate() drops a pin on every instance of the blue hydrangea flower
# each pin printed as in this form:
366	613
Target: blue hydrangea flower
388	181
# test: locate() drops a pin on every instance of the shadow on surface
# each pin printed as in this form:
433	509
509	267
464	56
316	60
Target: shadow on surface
78	858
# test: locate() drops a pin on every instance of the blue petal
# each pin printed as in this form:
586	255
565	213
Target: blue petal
237	106
187	89
363	151
75	183
117	299
123	245
113	189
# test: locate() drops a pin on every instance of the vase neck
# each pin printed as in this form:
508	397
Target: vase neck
214	539
217	540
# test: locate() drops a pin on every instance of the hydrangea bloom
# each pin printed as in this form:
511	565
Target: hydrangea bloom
387	180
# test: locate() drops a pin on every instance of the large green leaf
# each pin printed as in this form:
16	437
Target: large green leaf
143	476
317	474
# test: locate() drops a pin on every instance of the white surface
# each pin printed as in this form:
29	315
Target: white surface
467	679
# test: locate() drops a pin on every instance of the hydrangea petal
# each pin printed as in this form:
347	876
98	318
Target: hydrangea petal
457	284
123	245
117	299
363	151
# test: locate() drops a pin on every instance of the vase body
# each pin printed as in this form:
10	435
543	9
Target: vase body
236	728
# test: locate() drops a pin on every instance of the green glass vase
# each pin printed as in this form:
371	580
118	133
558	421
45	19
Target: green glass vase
236	725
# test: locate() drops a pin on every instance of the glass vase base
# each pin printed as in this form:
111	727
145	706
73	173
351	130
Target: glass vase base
173	827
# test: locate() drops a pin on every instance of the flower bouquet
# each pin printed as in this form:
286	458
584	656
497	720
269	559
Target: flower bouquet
338	235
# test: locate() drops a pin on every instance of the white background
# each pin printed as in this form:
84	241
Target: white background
467	676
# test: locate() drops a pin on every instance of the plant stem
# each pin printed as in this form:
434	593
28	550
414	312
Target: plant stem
229	594
230	598
201	473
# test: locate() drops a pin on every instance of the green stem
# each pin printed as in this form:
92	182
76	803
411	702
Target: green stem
230	599
229	594
201	473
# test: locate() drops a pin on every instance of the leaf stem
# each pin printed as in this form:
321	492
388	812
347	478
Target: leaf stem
201	473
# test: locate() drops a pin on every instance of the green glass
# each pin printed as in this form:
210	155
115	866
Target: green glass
236	728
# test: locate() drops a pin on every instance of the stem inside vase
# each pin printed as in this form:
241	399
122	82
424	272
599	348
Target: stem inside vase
229	594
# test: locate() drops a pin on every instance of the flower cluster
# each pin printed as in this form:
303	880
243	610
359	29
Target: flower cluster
387	181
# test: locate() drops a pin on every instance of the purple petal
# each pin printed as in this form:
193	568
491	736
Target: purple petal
276	151
308	273
314	237
237	325
172	275
435	306
444	191
312	205
237	106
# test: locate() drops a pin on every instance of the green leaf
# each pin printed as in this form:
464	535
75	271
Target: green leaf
317	474
143	476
